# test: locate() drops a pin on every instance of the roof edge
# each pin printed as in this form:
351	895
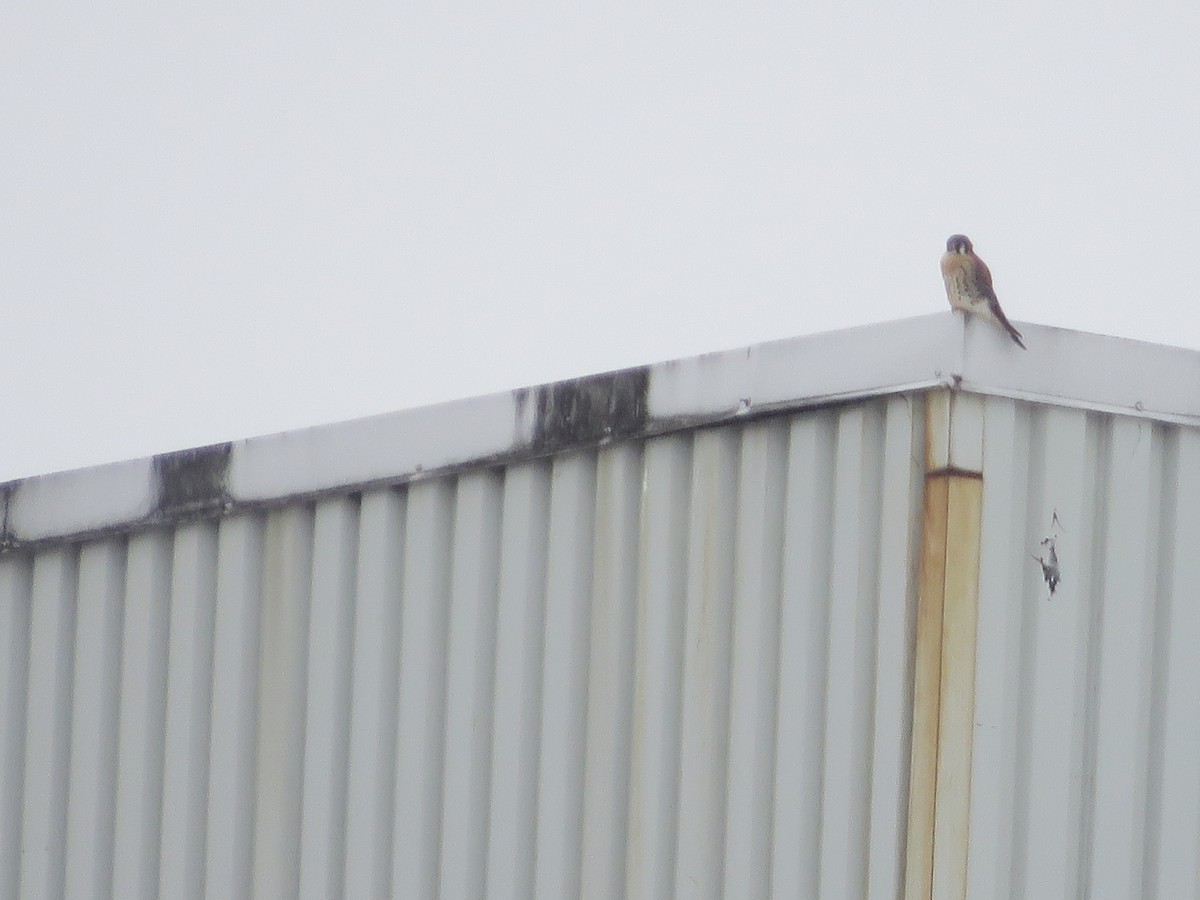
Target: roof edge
1061	367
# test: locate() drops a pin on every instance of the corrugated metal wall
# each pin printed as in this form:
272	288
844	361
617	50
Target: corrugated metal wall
679	667
1086	769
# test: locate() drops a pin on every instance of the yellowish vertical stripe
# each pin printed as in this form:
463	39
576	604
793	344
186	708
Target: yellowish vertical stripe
944	678
926	692
960	611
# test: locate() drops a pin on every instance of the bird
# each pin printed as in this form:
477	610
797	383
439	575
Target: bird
969	285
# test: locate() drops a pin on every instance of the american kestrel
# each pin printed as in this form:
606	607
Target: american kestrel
969	285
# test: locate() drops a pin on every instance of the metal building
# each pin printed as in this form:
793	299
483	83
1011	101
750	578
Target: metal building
900	611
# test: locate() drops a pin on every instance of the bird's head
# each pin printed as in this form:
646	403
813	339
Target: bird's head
958	243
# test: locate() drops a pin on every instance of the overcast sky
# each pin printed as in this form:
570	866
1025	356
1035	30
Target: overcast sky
224	223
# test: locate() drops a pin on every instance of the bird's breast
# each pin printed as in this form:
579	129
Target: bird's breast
961	287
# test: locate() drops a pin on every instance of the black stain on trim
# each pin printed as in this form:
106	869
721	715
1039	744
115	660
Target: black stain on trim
589	410
192	480
6	494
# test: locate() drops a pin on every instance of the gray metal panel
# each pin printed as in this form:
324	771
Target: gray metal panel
517	690
670	667
95	701
470	665
611	671
1086	776
1172	840
658	662
52	601
15	592
327	716
229	835
189	696
372	758
142	715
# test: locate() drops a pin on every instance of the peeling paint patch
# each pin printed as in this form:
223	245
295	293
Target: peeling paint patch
192	480
590	410
1050	570
1048	558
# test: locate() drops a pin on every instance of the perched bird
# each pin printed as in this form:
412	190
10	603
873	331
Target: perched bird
969	285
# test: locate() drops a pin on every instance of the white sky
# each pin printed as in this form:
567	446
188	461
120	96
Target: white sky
226	223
